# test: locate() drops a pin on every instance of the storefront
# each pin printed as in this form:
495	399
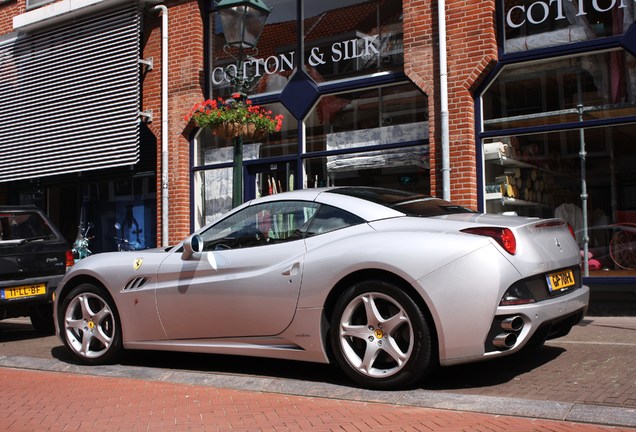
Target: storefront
335	71
557	125
542	97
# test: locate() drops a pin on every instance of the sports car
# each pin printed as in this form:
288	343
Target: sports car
386	284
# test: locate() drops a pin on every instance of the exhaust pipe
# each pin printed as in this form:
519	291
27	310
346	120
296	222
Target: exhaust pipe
512	324
505	340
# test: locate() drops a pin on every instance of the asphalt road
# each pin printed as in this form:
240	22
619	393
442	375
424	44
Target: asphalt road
588	376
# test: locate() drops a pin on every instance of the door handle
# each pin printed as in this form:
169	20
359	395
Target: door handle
292	270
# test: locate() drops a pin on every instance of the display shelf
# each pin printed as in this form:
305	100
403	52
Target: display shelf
497	196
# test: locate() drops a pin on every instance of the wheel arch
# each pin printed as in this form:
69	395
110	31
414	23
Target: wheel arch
376	274
77	281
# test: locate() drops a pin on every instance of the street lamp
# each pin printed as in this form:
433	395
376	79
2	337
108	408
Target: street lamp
243	22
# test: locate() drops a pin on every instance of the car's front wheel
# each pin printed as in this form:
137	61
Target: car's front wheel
89	325
380	337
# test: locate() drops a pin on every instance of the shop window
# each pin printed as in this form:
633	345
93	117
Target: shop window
212	195
349	125
540	175
603	85
271	63
352	38
370	117
539	24
345	39
406	170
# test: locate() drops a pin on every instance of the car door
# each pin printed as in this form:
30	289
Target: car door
246	281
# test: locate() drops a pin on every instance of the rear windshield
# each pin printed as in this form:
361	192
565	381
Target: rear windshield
409	203
23	225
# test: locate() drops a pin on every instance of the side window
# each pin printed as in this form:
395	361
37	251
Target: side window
259	225
329	218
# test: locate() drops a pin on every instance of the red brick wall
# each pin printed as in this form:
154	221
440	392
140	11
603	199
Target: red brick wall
185	46
471	50
7	12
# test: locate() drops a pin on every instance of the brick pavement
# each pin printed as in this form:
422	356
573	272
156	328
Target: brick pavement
53	401
594	364
588	376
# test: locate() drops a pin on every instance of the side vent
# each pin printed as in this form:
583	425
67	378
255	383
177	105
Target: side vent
136	283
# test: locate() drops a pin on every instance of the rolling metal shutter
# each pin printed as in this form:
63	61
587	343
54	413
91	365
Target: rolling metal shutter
69	97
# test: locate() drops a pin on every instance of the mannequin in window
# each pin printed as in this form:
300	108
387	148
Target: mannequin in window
572	214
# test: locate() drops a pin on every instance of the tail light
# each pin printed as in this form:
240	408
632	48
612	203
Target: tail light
503	236
69	259
572	231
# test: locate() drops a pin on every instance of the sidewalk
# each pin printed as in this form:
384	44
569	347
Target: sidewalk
588	376
53	401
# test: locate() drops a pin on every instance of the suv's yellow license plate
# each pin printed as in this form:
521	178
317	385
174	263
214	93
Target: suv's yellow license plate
560	280
23	291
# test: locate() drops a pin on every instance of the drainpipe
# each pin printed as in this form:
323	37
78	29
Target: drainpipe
443	98
164	123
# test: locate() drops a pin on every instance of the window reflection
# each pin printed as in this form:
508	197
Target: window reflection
213	195
342	39
351	38
541	24
549	92
376	116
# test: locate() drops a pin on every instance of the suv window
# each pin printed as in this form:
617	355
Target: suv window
23	225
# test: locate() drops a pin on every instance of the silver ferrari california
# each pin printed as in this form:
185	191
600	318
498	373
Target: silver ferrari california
386	284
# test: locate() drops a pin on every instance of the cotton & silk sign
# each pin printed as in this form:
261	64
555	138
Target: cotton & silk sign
542	11
365	48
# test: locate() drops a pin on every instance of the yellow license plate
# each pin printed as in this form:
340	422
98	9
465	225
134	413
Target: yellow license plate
23	291
561	280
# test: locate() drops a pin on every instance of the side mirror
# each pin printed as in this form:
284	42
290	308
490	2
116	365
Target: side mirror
192	245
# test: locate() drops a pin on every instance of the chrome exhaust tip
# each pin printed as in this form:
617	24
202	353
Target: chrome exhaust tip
512	324
505	340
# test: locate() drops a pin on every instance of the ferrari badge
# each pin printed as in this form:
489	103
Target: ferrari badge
138	262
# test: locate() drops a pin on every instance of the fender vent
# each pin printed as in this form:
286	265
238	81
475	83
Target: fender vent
136	283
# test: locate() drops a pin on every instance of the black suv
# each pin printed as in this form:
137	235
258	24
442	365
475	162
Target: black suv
33	259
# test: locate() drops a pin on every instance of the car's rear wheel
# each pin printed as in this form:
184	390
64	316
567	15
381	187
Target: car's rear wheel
380	337
89	325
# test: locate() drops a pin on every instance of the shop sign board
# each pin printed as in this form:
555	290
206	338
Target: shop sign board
581	20
363	48
540	11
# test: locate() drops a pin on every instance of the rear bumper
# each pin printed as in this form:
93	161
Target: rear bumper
547	319
50	282
539	321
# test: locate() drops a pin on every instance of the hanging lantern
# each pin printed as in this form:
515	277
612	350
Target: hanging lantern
243	21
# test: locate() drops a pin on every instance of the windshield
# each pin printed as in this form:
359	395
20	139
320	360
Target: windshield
409	203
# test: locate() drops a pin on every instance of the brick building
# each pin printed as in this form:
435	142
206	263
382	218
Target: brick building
533	87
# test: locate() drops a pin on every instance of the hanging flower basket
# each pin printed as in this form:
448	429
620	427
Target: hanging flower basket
235	117
232	130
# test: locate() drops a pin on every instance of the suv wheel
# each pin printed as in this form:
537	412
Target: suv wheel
42	318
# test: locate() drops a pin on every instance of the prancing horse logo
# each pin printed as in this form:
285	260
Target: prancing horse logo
138	262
